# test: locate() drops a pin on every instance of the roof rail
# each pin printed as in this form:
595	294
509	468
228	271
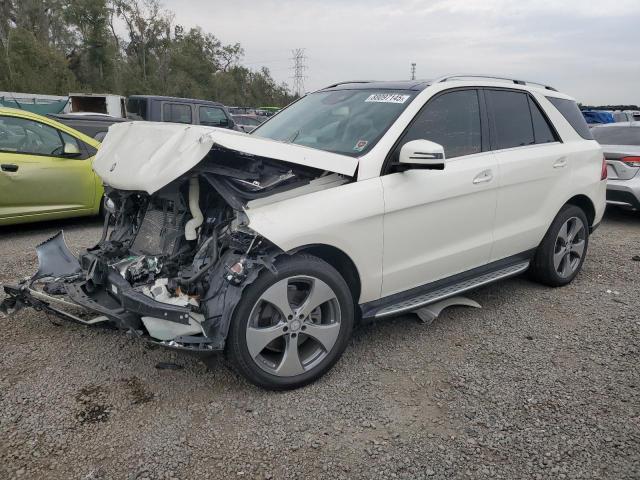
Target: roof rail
492	77
349	81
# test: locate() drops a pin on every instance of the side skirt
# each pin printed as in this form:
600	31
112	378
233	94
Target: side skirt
441	289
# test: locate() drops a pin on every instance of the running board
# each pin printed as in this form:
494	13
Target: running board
451	290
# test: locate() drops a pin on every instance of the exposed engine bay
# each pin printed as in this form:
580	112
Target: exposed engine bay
170	266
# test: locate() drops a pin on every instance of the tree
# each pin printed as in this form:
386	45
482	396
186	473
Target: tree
54	46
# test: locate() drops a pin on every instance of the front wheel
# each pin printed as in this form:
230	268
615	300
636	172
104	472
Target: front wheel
290	328
561	254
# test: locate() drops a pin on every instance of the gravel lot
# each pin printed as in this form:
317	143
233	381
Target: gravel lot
540	383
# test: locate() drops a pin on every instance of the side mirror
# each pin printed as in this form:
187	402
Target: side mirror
71	149
421	154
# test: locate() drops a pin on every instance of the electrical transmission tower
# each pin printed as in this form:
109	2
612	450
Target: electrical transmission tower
299	67
413	71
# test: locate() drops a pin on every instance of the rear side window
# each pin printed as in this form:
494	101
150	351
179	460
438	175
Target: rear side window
572	114
511	119
137	108
176	113
542	131
618	135
452	120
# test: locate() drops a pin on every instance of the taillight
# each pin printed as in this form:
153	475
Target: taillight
632	161
603	172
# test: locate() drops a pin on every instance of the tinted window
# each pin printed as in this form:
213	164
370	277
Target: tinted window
542	131
213	117
453	121
26	136
137	108
176	113
621	135
511	119
66	138
572	114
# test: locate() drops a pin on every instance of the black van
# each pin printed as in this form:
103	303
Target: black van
178	110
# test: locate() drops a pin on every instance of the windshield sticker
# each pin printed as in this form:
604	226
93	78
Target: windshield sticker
387	98
360	145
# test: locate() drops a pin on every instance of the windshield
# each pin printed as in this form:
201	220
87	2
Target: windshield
349	122
622	135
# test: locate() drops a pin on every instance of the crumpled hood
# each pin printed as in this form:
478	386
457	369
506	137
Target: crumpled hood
148	155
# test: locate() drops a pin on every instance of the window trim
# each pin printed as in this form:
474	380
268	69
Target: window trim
84	152
492	126
484	130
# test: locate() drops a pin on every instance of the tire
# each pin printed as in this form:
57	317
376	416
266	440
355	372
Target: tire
270	344
561	253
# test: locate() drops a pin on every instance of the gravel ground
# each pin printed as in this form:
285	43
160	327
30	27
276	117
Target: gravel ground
540	383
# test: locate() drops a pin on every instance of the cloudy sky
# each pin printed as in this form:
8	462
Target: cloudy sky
588	49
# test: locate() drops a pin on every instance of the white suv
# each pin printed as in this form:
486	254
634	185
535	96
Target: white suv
359	201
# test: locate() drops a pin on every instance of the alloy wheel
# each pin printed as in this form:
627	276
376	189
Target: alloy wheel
293	326
569	247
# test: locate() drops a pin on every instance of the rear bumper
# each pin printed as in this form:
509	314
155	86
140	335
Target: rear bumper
624	192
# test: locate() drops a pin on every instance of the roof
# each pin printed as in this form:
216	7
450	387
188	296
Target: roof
416	85
176	99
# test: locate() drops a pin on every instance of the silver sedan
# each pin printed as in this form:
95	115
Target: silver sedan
621	145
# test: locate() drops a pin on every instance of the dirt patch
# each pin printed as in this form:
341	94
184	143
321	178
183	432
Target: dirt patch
137	391
94	408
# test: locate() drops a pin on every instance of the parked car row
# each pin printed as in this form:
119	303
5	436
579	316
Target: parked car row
599	117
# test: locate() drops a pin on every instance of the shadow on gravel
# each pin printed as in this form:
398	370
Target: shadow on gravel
25	229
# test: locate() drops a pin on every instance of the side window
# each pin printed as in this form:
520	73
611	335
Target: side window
542	131
511	119
66	138
20	135
213	117
452	120
176	113
572	114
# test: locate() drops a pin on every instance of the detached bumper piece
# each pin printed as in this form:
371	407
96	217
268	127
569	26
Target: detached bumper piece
119	301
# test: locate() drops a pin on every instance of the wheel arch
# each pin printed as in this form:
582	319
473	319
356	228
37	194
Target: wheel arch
583	202
339	260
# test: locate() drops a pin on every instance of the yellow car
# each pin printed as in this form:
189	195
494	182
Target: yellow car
45	170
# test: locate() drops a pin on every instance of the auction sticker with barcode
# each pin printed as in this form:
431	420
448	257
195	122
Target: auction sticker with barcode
387	98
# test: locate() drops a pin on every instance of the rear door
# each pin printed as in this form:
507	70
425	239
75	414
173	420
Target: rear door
35	176
534	170
439	223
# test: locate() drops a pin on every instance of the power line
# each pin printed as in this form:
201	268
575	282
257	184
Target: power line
413	71
299	67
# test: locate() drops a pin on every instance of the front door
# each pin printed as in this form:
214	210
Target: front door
439	223
35	175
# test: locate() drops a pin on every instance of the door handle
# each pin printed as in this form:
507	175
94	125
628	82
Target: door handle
483	177
9	167
560	163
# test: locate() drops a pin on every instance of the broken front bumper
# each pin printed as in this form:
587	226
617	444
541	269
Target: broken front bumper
69	292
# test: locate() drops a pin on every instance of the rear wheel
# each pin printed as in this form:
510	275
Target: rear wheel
561	254
291	328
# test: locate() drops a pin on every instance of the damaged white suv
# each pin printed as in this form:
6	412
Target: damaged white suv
359	201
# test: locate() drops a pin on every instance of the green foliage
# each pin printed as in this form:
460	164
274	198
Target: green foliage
56	46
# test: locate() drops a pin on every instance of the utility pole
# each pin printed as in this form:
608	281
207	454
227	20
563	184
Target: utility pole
299	67
413	71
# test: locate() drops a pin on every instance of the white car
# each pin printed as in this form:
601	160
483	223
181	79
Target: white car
362	200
